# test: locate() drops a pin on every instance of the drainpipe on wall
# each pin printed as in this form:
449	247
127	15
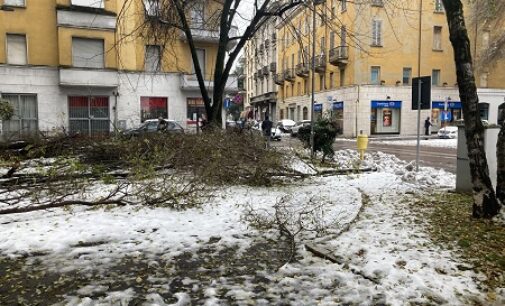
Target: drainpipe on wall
356	114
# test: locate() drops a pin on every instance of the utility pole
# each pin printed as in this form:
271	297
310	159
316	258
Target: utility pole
420	82
313	100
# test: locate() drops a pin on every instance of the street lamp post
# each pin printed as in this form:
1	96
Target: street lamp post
313	68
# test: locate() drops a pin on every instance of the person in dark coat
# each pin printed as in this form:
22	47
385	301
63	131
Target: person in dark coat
427	124
266	127
162	124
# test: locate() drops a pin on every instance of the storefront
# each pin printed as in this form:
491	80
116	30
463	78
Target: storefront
437	109
337	115
385	117
318	111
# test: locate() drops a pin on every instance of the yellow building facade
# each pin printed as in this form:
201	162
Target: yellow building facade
366	55
91	66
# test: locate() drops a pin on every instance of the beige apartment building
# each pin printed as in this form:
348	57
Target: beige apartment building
365	58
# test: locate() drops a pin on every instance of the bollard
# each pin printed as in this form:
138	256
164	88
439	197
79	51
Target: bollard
362	144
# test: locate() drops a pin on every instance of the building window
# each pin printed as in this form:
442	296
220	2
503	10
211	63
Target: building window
407	76
435	77
377	33
195	108
437	38
439	6
343	5
89	3
321	82
377	3
323	45
342	77
197	16
152	8
16	49
332	40
484	111
14	2
331	79
153	108
200	55
333	9
89	115
343	36
24	120
501	114
281	114
87	53
153	59
298	89
305	113
375	75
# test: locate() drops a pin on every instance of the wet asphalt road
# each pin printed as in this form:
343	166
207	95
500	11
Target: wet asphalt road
444	158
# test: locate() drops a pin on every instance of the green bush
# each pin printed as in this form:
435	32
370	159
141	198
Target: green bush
325	133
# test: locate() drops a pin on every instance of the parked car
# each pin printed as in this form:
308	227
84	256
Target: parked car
448	132
298	125
276	132
285	125
151	126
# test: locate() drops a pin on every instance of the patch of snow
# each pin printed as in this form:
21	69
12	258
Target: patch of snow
434	143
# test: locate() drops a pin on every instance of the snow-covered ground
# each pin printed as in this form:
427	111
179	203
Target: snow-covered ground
386	258
436	143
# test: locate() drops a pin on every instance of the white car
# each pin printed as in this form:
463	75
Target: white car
448	132
285	125
298	125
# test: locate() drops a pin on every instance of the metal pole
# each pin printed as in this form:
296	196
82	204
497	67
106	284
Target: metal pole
312	100
420	82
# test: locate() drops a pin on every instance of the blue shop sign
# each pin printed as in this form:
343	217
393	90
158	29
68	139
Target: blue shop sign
450	105
318	107
386	104
337	105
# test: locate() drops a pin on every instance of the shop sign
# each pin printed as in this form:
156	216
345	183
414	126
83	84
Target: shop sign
386	104
318	107
337	105
450	105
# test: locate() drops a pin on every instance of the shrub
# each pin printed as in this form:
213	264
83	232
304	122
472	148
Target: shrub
325	133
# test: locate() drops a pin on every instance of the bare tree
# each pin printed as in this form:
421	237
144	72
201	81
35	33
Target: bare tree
172	17
485	201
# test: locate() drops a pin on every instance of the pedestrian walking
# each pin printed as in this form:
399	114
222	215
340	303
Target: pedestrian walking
266	127
427	124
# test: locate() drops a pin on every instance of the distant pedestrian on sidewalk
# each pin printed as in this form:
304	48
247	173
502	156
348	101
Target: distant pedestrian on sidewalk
427	124
266	127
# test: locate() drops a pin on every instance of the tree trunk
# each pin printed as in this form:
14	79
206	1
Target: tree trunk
485	203
500	158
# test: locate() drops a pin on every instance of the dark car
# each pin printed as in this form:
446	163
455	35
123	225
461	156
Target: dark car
151	126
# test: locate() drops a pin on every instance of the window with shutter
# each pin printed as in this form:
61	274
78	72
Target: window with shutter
377	33
153	58
16	49
152	7
435	77
344	5
437	38
87	53
200	55
375	75
332	40
343	36
14	2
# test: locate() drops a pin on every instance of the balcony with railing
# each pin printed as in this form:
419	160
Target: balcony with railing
208	34
320	64
302	70
339	56
279	78
273	67
290	75
266	70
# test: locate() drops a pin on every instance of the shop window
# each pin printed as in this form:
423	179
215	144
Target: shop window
501	114
153	108
195	109
305	113
375	74
153	58
16	49
24	121
89	115
407	76
87	53
15	2
89	3
484	111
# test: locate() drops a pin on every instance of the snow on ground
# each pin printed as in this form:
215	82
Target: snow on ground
435	143
387	258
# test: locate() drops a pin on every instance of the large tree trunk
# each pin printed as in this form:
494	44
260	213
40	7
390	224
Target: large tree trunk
500	157
485	203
